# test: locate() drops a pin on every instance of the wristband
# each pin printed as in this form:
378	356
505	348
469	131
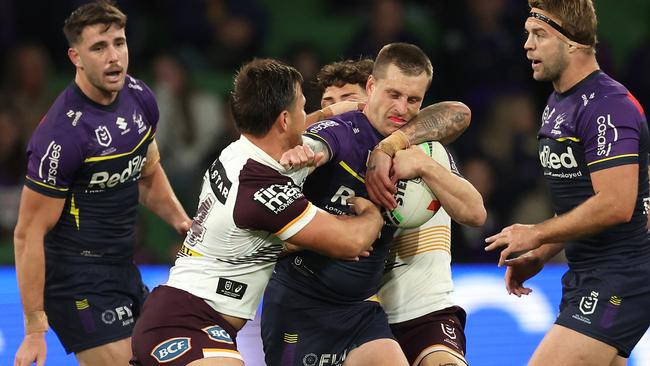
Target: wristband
36	322
393	143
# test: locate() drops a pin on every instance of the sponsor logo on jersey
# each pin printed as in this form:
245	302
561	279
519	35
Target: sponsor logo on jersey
122	125
231	288
197	231
333	359
137	119
75	116
278	197
342	194
103	136
585	99
133	84
51	161
121	313
219	181
321	126
171	349
105	179
604	147
553	160
216	333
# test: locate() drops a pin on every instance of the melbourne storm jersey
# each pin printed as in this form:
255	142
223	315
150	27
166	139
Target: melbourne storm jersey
595	125
247	208
92	155
349	138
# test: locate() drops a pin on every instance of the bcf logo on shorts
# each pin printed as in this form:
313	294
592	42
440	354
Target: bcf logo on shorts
171	349
216	333
588	303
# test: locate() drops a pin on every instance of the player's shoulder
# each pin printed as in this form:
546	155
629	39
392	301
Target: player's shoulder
611	97
138	89
64	115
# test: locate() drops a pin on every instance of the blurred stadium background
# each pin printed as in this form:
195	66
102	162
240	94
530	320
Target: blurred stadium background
188	51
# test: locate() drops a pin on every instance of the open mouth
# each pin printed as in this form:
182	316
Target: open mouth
535	63
113	74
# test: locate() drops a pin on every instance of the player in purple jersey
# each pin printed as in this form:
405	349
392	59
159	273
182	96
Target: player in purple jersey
92	158
593	147
322	311
420	320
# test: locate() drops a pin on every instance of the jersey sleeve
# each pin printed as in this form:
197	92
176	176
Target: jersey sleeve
54	155
611	133
333	133
272	202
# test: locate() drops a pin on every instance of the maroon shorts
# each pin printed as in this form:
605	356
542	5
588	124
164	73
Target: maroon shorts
176	328
442	330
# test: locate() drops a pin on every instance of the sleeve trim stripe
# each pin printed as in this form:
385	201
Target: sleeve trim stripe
47	185
107	157
351	171
574	139
613	157
302	214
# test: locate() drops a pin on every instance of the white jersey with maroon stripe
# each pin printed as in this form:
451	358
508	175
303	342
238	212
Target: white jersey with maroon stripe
247	207
418	278
418	271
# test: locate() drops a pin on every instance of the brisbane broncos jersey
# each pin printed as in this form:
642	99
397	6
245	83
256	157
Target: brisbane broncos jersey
418	280
248	205
349	138
92	155
595	125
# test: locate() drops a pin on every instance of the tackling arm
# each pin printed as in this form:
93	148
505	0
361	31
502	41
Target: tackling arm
342	236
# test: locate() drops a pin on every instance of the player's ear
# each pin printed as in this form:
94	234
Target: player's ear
73	55
370	84
283	120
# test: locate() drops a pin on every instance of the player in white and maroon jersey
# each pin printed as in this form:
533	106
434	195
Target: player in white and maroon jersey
249	206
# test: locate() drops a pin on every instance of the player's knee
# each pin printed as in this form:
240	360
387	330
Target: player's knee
442	358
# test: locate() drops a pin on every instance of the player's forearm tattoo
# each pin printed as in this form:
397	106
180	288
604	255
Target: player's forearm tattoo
443	122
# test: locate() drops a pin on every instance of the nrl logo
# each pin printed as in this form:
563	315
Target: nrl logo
103	136
448	331
588	303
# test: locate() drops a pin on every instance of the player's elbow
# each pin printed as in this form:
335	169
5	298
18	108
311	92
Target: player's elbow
464	112
20	239
476	217
620	215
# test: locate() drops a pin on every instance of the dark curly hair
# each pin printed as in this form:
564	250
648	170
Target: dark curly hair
345	72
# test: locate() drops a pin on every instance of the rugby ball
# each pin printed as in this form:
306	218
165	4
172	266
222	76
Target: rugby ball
416	204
